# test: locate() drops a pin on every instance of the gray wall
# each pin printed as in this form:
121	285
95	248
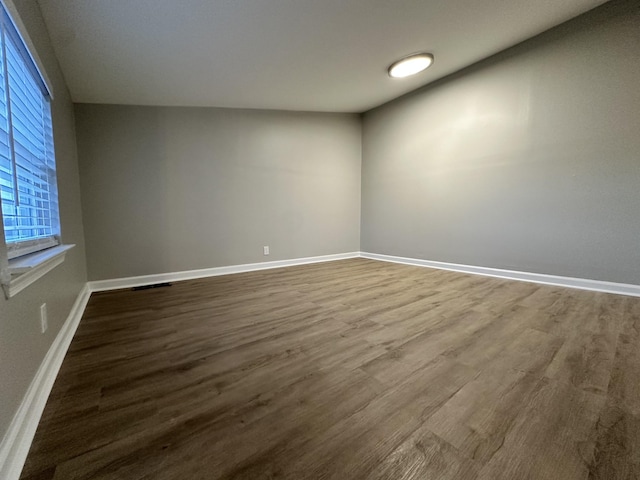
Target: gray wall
528	161
168	189
22	346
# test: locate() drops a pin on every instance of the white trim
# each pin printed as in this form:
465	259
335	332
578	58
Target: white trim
23	271
570	282
27	247
129	282
17	441
28	263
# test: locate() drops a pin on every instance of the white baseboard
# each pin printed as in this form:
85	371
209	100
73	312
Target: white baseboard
129	282
17	441
570	282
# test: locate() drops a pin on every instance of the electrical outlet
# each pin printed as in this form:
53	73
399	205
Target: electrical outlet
266	249
43	317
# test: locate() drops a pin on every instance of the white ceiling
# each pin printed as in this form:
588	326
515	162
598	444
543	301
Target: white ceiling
317	55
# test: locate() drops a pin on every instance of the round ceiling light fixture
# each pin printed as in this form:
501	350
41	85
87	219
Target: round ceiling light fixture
410	65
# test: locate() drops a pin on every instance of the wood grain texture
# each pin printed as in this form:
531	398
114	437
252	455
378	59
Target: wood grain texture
354	369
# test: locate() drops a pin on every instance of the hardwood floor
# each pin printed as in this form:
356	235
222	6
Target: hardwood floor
347	370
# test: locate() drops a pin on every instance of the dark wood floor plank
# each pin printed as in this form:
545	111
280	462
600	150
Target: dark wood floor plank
352	369
424	455
477	419
490	341
354	447
617	452
552	438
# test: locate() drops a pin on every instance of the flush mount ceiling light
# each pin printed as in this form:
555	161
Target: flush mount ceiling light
410	65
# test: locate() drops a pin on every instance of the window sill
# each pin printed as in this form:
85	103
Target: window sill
23	271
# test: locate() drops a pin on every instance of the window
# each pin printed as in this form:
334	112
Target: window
27	164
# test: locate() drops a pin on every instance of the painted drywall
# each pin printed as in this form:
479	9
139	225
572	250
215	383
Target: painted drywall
527	161
22	346
168	189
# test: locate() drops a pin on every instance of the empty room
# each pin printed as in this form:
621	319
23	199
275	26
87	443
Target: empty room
287	239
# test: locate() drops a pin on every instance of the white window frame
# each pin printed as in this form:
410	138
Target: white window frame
33	194
19	267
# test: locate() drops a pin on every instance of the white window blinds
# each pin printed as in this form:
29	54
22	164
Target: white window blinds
27	164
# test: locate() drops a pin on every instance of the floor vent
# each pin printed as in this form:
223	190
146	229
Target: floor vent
155	285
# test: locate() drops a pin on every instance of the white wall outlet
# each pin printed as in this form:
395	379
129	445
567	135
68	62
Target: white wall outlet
265	249
43	317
